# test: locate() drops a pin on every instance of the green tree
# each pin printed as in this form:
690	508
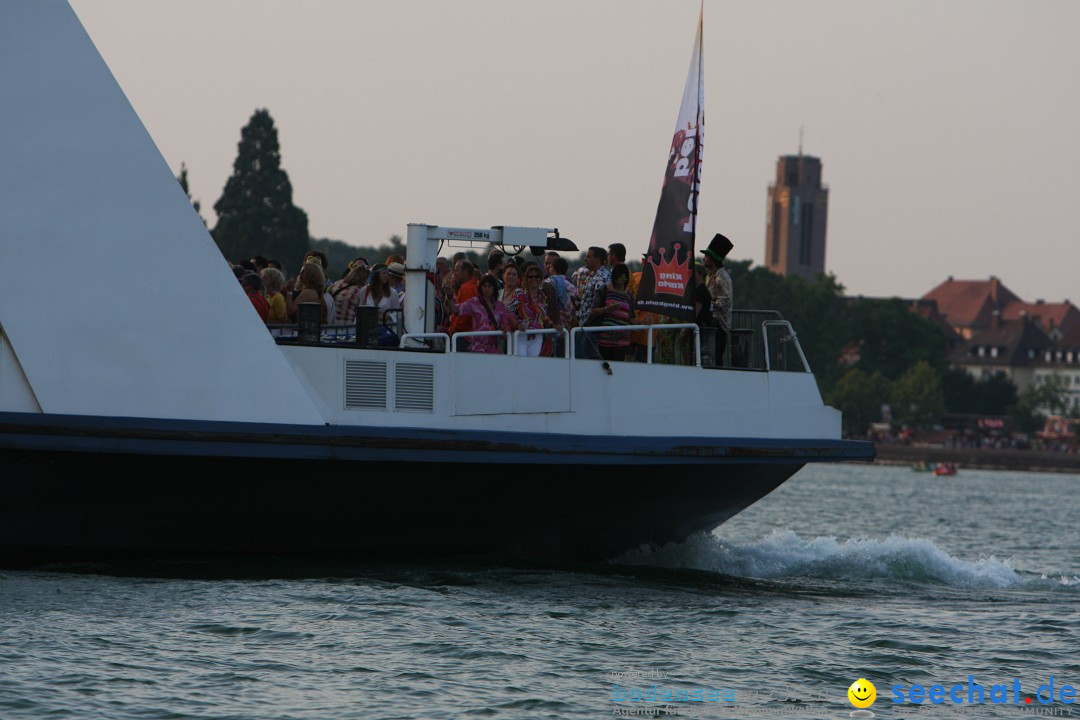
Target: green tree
182	179
994	395
1052	394
893	339
958	389
816	309
917	398
859	396
256	215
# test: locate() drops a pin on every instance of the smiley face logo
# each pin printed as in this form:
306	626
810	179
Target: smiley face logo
862	693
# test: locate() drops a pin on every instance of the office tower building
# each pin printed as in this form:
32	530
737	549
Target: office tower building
797	211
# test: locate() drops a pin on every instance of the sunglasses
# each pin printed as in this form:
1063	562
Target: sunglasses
532	276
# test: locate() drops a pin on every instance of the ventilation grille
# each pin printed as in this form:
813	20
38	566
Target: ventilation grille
365	385
414	387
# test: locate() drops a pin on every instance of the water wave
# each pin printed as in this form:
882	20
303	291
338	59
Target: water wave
783	554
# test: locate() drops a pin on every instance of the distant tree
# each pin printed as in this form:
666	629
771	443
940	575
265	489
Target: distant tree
182	179
859	396
816	309
958	389
1049	397
339	254
892	339
994	395
256	215
917	398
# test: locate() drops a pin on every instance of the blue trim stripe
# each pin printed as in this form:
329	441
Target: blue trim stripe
139	436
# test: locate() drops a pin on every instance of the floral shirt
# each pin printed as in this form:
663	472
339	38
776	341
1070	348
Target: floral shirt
478	320
579	280
599	280
530	311
719	284
566	297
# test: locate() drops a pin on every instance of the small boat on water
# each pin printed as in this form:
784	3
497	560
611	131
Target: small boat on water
160	416
945	469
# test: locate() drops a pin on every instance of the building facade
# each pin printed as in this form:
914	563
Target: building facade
798	207
1033	343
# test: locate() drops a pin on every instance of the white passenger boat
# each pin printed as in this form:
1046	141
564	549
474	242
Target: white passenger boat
145	408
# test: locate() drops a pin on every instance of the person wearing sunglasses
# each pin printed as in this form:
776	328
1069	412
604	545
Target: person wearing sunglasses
531	313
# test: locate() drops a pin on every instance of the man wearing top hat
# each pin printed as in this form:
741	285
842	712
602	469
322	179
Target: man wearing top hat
718	282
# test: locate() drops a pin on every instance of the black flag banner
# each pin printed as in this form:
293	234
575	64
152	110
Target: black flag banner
667	275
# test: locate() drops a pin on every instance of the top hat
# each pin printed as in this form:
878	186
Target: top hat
718	248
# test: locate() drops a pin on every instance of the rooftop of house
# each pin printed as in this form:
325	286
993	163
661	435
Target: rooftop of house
1071	340
1005	342
971	303
1063	315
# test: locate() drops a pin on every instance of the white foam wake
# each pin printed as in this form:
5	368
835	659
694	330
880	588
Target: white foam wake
783	554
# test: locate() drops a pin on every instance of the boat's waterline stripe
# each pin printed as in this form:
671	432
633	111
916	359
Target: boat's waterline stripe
37	433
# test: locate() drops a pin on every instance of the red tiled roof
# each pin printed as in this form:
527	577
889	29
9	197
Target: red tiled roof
970	303
1062	315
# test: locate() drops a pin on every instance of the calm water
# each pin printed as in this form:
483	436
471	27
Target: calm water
844	572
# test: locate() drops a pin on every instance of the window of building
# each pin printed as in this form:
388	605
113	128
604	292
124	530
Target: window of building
776	222
806	240
994	352
982	351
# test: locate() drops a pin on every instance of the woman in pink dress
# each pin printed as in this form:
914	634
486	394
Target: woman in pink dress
485	312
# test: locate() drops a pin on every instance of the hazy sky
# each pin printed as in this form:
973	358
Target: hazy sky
949	131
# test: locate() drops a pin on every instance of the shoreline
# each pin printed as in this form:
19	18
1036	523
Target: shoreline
980	459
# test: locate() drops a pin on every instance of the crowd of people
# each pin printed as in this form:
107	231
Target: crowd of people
510	294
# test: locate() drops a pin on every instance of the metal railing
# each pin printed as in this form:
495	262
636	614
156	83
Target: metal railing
310	331
779	339
650	344
746	345
759	340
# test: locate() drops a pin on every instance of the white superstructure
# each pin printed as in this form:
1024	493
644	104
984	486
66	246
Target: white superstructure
114	299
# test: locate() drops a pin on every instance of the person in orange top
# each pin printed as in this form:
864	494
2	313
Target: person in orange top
466	281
